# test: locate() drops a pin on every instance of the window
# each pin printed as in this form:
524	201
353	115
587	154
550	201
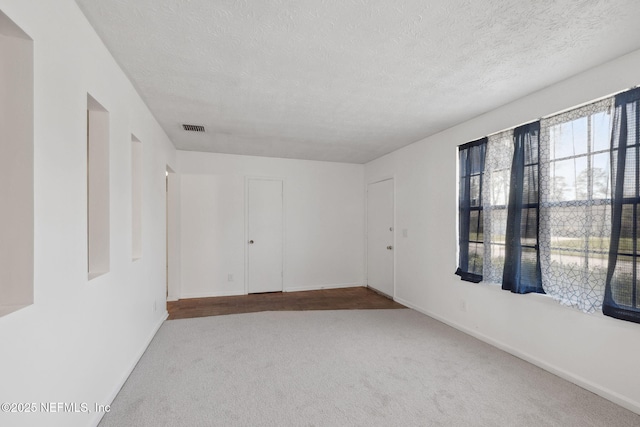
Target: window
472	157
562	217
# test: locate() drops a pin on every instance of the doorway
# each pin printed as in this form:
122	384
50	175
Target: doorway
380	236
265	235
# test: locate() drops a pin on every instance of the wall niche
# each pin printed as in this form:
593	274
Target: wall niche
16	167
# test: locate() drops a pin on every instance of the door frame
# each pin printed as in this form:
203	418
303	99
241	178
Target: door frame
172	230
366	221
248	178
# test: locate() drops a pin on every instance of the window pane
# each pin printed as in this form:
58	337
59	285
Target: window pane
570	179
462	195
475	191
630	184
529	227
492	272
562	224
529	263
531	151
498	225
626	229
601	176
477	161
582	178
462	164
601	130
476	252
622	282
598	228
569	139
497	257
476	226
500	187
558	188
530	184
631	124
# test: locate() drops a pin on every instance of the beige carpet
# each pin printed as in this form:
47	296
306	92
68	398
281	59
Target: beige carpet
343	368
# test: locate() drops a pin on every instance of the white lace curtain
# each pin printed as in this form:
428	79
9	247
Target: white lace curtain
497	174
575	205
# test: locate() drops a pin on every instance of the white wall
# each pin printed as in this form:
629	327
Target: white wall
79	339
324	222
595	351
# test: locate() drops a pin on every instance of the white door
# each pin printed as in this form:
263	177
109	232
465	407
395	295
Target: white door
380	236
265	235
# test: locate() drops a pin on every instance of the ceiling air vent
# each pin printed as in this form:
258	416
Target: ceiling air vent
193	128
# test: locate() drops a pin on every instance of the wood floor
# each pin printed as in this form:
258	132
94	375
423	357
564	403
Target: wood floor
326	299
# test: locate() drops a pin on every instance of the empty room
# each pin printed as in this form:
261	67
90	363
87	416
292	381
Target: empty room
327	213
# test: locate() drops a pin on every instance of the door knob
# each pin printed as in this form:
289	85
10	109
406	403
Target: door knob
251	242
389	247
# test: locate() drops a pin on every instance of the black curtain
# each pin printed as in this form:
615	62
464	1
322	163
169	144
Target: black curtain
471	157
521	272
621	297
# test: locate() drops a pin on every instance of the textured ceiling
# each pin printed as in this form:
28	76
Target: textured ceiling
348	80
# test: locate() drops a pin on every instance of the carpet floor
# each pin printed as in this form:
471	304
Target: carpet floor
343	368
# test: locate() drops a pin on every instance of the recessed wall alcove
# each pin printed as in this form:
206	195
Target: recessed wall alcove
16	167
98	224
136	198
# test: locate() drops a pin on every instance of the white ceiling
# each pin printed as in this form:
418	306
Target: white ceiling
348	80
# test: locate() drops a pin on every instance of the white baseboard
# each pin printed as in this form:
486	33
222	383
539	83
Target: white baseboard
98	415
212	294
562	373
319	287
